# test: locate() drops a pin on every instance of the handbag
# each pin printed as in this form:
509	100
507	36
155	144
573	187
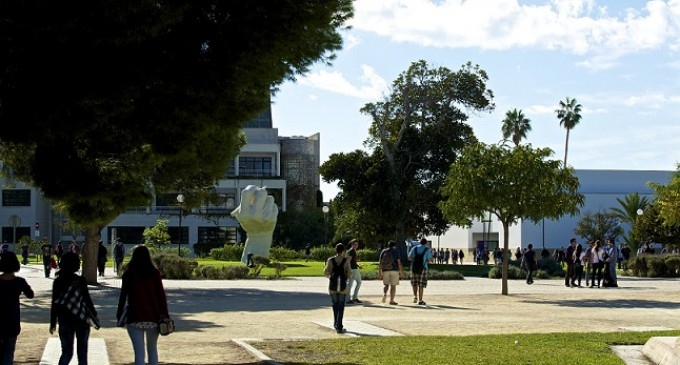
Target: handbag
166	326
122	321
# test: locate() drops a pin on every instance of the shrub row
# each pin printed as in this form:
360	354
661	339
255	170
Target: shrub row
651	265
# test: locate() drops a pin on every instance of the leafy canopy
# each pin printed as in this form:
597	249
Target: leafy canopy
415	134
513	184
109	101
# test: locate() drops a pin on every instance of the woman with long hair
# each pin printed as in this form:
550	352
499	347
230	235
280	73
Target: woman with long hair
143	294
70	325
11	287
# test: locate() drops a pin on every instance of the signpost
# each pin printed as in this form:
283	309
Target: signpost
14	221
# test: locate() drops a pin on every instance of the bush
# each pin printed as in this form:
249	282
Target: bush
514	272
222	273
202	249
323	253
168	250
174	267
653	266
227	253
286	254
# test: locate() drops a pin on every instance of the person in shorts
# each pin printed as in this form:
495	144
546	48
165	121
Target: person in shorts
419	256
390	270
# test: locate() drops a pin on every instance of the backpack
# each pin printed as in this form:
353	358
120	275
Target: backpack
387	262
418	261
338	280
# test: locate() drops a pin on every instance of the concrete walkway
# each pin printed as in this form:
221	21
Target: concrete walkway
216	320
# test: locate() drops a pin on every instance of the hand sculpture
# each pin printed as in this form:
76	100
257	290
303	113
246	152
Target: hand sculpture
257	215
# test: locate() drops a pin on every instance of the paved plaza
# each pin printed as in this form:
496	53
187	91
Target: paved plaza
217	320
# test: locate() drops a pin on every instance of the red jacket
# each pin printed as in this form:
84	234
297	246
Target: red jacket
144	296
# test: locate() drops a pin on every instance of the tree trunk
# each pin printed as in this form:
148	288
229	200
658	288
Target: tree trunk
89	254
566	148
506	258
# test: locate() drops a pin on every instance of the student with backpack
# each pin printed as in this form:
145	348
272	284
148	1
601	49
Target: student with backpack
419	256
338	271
390	271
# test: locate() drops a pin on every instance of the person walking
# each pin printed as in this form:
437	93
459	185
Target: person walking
461	255
102	257
118	254
578	266
390	271
143	293
355	279
529	259
419	256
338	271
24	253
70	324
11	287
569	260
46	251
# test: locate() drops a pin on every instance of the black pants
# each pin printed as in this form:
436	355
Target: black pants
578	274
570	274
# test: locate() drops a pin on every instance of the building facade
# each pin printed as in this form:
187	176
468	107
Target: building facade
286	166
600	188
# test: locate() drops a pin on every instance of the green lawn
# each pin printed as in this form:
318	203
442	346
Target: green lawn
543	349
315	268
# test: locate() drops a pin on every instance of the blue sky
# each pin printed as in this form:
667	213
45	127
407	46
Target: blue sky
620	59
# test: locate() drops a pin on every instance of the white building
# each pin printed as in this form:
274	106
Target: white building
278	163
601	188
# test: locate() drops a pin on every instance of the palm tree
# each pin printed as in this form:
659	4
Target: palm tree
569	115
515	125
630	204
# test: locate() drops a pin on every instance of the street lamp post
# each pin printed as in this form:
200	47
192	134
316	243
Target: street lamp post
325	211
180	200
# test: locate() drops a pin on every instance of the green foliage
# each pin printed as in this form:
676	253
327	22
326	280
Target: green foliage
416	132
598	226
652	265
202	249
322	253
157	235
169	250
174	267
650	227
512	183
286	254
210	272
515	126
148	83
227	253
667	202
569	115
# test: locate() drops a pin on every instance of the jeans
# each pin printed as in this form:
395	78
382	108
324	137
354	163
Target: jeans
356	279
66	333
137	338
338	300
7	345
530	275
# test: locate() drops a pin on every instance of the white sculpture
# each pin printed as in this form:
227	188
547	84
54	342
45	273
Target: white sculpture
257	215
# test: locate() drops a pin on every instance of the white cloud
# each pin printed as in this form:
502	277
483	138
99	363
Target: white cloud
372	85
581	27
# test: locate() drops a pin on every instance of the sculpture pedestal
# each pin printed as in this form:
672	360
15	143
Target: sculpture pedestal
663	350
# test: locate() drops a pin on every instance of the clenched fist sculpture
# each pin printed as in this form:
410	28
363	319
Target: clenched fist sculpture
257	215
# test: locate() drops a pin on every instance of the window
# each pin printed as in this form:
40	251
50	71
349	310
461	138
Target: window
255	166
16	198
8	234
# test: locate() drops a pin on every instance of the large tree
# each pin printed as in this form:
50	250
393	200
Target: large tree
667	199
569	115
416	132
598	226
515	126
514	184
111	102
